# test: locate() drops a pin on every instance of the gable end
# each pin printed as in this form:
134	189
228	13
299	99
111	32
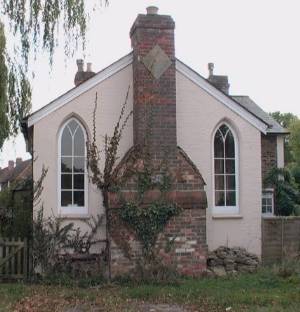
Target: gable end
220	96
77	91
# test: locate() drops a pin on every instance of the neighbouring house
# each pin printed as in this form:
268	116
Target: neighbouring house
15	173
220	146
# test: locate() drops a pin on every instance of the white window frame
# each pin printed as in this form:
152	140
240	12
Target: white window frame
226	210
267	194
72	209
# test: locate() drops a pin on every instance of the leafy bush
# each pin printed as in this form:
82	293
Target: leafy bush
16	210
272	275
52	238
49	238
286	194
66	280
152	272
287	268
155	272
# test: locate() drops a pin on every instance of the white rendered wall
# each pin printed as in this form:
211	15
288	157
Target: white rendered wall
198	113
111	96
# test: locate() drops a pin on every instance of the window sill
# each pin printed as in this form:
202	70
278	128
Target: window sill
73	213
227	216
225	211
73	216
267	215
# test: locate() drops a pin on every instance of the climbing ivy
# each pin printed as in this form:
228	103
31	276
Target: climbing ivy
148	219
147	222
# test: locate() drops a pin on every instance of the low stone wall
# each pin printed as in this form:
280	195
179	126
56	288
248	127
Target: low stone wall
225	260
82	265
280	238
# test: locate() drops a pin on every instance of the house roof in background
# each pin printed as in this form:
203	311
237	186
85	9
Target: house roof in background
21	171
5	174
250	105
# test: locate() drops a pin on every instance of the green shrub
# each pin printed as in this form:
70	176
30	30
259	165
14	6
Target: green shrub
287	268
16	210
152	272
49	238
286	192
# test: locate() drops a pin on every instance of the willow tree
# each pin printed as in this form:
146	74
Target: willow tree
32	26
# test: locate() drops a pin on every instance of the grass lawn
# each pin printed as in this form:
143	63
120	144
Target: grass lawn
261	292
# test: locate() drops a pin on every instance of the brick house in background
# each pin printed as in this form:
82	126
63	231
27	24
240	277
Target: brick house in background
15	172
220	146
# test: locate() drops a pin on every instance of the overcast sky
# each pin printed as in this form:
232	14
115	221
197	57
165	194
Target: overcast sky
255	42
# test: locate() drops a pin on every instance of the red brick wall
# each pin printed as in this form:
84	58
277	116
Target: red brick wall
158	95
268	154
188	230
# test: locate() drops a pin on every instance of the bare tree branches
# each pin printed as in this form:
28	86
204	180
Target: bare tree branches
104	178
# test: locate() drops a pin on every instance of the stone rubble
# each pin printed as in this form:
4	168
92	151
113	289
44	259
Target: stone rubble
225	260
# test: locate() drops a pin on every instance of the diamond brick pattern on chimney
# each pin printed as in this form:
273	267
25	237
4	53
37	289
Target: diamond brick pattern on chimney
154	84
154	101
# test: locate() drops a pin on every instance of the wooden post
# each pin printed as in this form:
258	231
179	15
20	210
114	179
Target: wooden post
25	263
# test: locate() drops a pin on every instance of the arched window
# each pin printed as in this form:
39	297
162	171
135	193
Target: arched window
72	168
225	171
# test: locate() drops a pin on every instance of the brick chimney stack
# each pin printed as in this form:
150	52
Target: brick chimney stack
220	82
154	84
18	161
81	75
11	164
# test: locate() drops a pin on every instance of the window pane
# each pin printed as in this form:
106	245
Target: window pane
218	145
79	144
219	166
66	164
66	143
230	166
79	163
230	198
79	198
220	198
73	126
66	181
230	182
66	198
79	181
224	129
229	145
269	201
219	182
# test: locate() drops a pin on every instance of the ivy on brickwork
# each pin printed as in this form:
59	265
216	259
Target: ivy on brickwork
145	218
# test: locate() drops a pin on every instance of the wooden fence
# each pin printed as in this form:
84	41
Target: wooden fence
280	239
14	259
